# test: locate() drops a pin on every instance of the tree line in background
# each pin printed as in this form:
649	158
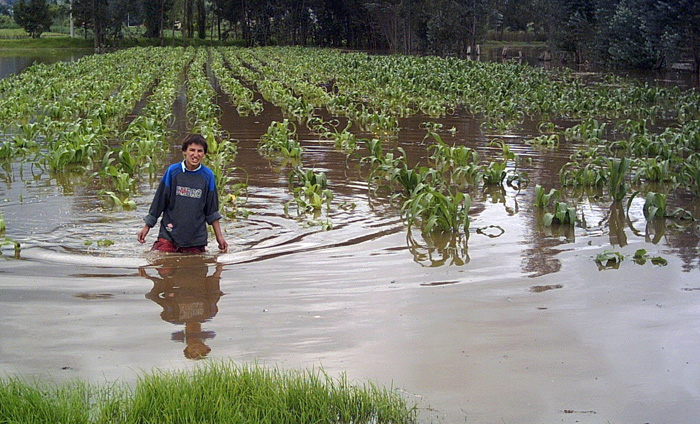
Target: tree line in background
642	34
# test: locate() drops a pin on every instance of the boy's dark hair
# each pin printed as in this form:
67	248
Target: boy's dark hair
195	139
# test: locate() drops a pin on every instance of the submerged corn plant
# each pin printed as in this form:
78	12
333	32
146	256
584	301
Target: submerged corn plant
589	131
384	166
4	240
577	174
344	140
496	172
542	198
458	165
609	259
310	190
380	124
654	170
641	257
656	206
281	139
548	141
220	161
413	180
435	210
563	215
690	174
616	177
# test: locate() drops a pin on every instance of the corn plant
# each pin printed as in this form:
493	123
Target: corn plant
549	141
563	215
690	174
378	123
413	180
344	140
546	127
655	205
77	149
616	177
459	164
654	170
6	241
241	97
281	139
220	162
311	192
577	174
495	173
542	199
118	200
438	211
588	131
300	177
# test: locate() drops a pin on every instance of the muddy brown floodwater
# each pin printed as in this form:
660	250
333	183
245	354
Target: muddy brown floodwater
514	325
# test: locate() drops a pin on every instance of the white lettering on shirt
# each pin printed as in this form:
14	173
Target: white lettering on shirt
189	192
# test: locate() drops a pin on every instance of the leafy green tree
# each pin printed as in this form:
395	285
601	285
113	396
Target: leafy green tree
33	16
201	19
629	44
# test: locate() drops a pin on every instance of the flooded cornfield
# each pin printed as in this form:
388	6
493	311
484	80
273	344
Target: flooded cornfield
582	307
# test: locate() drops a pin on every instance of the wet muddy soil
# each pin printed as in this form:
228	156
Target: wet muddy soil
514	323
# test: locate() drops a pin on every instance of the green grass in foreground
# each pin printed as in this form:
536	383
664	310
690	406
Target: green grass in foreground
214	392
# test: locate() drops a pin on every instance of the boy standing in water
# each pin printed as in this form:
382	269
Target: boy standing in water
188	200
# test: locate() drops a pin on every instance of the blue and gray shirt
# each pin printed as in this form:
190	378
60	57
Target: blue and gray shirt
188	201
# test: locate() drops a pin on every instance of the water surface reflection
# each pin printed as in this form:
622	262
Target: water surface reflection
15	62
188	294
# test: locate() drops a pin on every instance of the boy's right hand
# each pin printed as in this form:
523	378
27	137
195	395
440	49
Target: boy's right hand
141	236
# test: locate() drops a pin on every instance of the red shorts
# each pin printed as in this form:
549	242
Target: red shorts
165	245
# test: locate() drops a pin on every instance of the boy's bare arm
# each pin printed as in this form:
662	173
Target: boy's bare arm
223	245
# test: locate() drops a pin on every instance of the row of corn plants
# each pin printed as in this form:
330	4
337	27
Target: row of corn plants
145	140
203	114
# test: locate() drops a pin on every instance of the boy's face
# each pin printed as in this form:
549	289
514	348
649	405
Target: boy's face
193	156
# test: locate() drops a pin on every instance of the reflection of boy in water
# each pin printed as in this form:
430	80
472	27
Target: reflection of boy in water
188	296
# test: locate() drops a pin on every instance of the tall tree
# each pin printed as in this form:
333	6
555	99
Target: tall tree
154	14
387	21
33	16
573	27
201	19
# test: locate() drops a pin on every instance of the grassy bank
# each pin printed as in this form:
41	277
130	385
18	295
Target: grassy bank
45	43
65	42
213	392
